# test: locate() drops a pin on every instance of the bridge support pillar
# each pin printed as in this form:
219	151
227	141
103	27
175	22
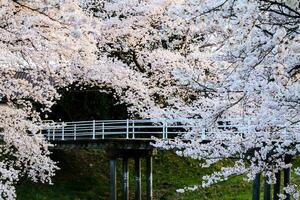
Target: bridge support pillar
267	187
149	177
137	155
138	178
287	176
267	190
277	186
125	179
256	187
286	181
113	179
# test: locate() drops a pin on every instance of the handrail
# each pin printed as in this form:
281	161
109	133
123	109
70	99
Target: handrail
140	128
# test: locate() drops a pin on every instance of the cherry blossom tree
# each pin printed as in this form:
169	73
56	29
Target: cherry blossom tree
206	60
43	47
214	61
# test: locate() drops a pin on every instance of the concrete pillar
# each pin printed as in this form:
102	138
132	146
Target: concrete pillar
125	154
113	179
149	177
256	187
125	179
137	178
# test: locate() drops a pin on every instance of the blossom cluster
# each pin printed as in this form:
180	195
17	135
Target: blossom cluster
209	60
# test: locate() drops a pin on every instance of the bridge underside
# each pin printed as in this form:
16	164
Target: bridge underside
129	144
123	150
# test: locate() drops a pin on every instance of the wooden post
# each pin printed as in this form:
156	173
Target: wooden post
149	177
138	186
113	179
267	190
277	186
256	187
125	179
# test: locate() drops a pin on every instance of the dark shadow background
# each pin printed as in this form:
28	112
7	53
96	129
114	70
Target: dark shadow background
88	104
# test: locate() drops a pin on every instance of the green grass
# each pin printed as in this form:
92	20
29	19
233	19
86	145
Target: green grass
84	176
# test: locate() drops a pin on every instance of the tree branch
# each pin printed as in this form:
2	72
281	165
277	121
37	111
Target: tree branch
37	11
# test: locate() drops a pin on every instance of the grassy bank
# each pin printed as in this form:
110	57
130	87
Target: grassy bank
84	176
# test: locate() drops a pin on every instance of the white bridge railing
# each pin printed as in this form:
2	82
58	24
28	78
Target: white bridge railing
126	129
147	128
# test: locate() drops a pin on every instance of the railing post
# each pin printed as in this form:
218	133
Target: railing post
53	135
127	129
133	135
166	129
48	134
63	131
75	131
102	130
94	129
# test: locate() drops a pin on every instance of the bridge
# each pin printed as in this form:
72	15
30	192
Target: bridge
120	129
132	138
121	139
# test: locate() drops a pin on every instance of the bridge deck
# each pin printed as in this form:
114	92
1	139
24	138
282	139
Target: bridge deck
142	144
